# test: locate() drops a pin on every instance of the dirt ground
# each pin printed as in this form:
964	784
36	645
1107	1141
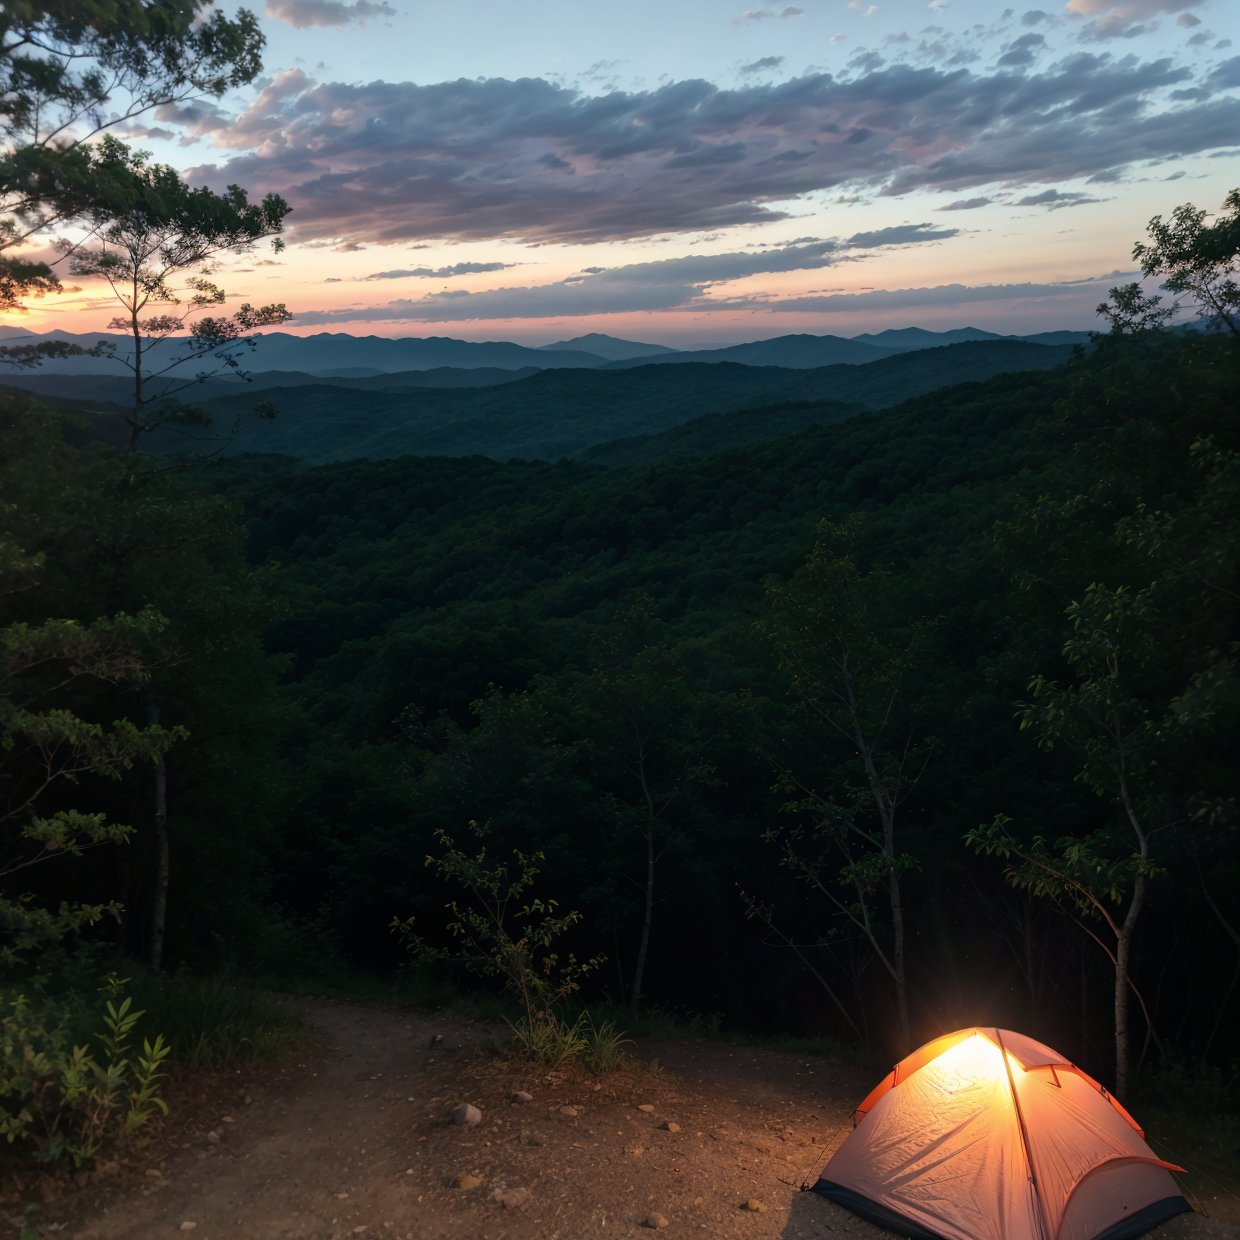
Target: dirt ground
358	1142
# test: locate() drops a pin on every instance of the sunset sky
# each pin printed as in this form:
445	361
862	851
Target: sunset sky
703	172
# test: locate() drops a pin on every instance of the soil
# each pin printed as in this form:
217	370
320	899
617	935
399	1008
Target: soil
697	1138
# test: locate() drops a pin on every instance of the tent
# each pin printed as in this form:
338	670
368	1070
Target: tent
985	1134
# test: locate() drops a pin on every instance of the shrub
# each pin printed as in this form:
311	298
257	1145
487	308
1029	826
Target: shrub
60	1099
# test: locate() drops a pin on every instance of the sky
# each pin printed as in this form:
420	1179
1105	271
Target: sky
703	172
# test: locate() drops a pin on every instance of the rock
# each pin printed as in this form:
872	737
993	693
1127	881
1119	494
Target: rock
227	1119
213	1136
466	1115
467	1180
188	1225
754	1205
656	1222
671	1126
648	1107
155	1173
512	1198
522	1096
570	1112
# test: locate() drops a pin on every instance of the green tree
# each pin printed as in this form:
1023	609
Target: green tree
170	229
58	729
70	69
649	750
846	669
1119	738
1196	260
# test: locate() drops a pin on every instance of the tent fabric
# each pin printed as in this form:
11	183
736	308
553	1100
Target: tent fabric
986	1134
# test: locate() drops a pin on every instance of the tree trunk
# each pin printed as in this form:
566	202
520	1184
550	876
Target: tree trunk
639	971
1123	947
159	902
897	953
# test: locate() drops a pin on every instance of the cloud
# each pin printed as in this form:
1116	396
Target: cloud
967	204
1122	18
944	295
902	234
684	282
1023	51
568	299
456	269
304	13
1055	200
1188	20
400	163
760	66
867	10
757	15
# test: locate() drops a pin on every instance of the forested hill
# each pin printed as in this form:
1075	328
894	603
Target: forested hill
546	414
634	673
478	641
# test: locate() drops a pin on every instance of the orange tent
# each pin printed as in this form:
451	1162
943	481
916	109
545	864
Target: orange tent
985	1134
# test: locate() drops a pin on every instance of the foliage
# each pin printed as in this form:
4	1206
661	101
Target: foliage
70	69
46	744
59	1098
1198	259
167	229
496	935
606	1043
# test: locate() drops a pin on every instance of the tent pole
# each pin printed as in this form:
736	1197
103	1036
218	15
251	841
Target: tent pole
1024	1140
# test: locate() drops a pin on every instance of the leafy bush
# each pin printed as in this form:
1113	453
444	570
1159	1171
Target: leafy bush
58	1098
605	1044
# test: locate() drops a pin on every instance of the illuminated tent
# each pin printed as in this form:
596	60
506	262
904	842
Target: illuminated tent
988	1135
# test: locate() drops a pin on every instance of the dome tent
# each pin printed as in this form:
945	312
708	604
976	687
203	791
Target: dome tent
984	1134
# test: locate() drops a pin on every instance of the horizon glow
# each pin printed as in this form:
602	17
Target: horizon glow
700	172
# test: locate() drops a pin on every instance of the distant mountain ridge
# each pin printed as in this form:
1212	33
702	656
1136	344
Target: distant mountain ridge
357	358
609	347
557	413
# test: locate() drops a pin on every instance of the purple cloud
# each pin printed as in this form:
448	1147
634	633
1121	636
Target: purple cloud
386	163
304	13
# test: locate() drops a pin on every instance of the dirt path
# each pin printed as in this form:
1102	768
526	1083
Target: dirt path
358	1144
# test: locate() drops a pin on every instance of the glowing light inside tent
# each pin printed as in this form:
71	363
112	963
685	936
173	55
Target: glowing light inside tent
976	1058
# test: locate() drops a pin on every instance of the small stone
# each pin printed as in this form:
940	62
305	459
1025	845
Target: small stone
533	1138
671	1126
645	1106
754	1205
466	1180
342	1196
188	1225
155	1173
656	1222
635	1150
570	1112
227	1119
522	1097
512	1198
357	1231
213	1136
466	1115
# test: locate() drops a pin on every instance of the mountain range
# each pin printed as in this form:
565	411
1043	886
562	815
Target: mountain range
559	412
336	355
